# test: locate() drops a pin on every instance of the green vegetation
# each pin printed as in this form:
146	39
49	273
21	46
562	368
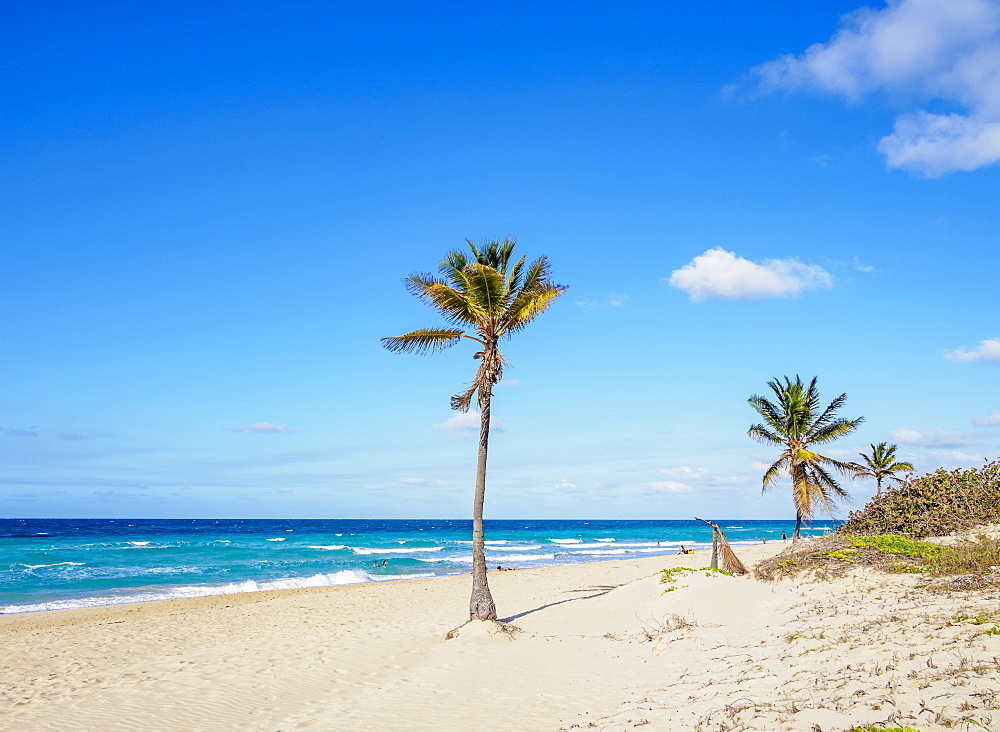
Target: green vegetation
905	569
795	421
881	465
844	555
879	552
494	297
935	504
670	576
976	619
894	544
980	556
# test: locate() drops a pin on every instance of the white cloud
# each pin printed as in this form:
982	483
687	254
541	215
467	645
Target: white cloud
938	144
685	471
669	486
725	276
991	419
565	485
988	352
931	438
919	50
952	459
862	267
509	382
466	423
613	301
265	427
413	481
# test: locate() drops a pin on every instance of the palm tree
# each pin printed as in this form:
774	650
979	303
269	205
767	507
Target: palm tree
880	465
494	298
795	421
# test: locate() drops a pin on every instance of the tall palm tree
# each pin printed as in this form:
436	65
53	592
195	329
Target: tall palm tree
881	465
794	420
494	298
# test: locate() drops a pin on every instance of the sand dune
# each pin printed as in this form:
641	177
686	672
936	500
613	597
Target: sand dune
595	646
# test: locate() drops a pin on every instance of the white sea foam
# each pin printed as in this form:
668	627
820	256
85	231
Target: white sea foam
528	548
466	559
344	577
566	541
57	564
466	541
280	538
329	547
518	557
602	552
734	527
603	539
139	543
399	550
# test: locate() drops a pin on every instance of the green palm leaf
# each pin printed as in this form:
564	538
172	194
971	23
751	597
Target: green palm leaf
423	341
795	420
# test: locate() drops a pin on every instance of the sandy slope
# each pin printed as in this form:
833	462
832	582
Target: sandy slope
599	645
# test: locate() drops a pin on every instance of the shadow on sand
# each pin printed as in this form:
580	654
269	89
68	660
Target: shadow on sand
597	592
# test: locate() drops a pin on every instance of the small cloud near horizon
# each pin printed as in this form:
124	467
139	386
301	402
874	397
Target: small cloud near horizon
18	432
991	419
931	438
914	51
70	436
987	352
467	423
565	485
613	301
267	428
669	486
722	275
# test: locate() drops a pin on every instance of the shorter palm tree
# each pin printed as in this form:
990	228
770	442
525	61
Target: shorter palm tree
795	421
880	465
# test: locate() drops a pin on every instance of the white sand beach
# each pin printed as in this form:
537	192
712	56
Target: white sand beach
597	646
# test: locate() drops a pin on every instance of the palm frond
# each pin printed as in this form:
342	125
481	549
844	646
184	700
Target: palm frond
429	340
528	306
760	433
772	473
834	430
485	296
771	413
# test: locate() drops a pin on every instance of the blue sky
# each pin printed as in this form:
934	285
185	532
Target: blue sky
207	213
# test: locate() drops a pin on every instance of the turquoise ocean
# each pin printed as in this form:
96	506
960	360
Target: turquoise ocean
48	564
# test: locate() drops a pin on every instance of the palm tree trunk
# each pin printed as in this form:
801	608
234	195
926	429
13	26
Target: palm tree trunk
798	522
481	604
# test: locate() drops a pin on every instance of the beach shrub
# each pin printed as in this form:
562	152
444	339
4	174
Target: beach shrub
835	556
979	556
670	576
844	555
935	504
895	544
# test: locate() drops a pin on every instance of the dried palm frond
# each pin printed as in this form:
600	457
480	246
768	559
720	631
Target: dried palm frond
730	562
